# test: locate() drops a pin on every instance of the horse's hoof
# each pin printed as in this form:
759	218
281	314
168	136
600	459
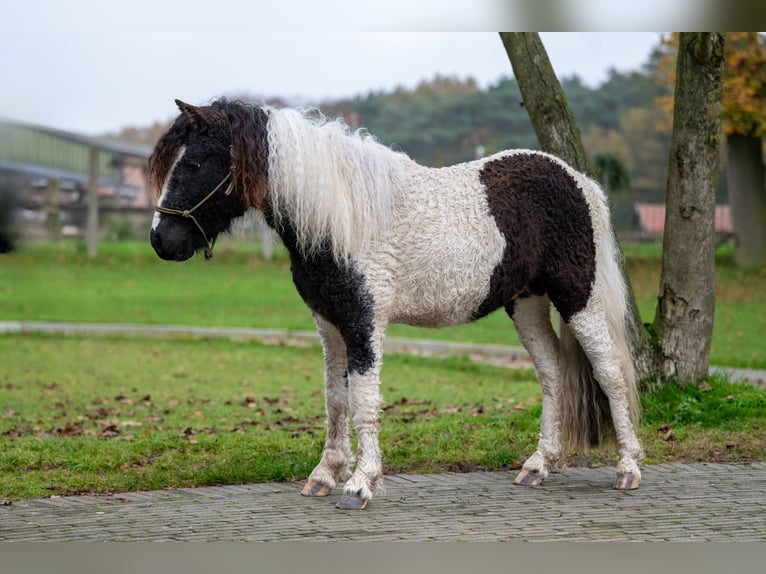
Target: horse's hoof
627	481
529	478
352	501
314	488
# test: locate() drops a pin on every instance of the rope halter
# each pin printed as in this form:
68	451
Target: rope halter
189	213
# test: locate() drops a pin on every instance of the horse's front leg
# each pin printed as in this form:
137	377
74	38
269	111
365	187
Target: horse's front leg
336	456
364	401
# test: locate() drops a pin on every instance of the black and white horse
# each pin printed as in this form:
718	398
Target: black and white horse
375	238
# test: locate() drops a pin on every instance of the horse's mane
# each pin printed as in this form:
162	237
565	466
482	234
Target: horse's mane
335	186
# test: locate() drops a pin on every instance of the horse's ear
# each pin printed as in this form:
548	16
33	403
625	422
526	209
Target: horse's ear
200	117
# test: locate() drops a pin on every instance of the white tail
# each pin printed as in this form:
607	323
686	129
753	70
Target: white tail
587	418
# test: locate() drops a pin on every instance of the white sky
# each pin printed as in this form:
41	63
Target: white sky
84	66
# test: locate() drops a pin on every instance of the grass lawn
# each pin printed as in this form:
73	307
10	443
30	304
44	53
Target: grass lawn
81	415
129	283
739	326
91	415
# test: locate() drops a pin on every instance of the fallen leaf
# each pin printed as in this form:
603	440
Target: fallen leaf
110	432
100	413
107	423
704	386
69	430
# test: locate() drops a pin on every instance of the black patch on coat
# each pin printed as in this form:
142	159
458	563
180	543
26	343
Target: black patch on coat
338	293
547	226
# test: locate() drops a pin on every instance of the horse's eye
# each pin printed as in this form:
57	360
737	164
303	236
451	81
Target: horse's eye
196	166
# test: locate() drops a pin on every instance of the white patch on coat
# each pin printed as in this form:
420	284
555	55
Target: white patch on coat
164	192
445	246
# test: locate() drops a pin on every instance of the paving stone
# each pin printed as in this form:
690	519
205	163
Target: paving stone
689	502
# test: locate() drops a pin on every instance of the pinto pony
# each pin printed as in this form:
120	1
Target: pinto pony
375	238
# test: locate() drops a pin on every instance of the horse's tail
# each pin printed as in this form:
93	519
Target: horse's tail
586	415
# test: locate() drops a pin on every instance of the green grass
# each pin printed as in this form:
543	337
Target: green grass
739	326
96	415
81	415
128	283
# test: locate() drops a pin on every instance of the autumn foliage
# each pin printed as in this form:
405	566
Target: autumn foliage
744	83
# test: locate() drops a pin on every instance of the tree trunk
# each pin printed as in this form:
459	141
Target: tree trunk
544	99
686	302
747	196
559	135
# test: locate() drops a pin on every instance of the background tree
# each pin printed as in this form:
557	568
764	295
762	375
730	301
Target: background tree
744	123
611	172
686	303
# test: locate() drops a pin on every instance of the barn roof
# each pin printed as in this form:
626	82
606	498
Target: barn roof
102	143
651	217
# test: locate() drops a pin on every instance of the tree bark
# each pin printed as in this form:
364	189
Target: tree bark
686	302
544	99
559	135
747	197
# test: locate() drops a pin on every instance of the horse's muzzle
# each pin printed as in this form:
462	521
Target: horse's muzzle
169	248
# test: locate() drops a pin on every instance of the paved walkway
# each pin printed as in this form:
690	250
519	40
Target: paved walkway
676	502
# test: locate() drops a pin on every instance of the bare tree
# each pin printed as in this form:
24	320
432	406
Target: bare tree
686	302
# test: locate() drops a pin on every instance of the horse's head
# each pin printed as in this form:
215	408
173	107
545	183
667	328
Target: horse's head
206	172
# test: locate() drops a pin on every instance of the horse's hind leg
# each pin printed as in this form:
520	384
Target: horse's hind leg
336	456
590	328
531	316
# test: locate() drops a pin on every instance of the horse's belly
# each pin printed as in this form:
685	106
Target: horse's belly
434	318
442	295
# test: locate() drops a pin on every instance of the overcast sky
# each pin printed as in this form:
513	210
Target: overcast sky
87	67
